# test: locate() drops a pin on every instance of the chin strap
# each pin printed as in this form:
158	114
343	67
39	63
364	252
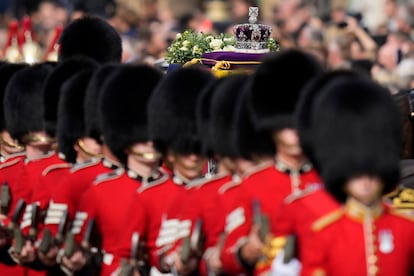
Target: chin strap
83	148
10	144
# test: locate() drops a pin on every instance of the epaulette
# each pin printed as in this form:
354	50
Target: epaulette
236	180
190	184
301	194
209	178
327	220
160	180
103	177
13	155
40	157
84	165
257	169
402	198
282	167
9	163
195	183
56	167
111	164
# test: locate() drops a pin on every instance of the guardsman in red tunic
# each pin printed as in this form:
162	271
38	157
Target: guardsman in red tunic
172	127
24	94
123	118
45	181
263	191
203	205
88	163
352	119
76	148
153	236
12	158
298	211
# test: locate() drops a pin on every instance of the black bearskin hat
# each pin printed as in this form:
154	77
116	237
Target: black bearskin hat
223	105
304	106
357	131
71	119
249	141
123	106
93	93
52	88
171	110
93	37
203	117
23	100
7	70
275	87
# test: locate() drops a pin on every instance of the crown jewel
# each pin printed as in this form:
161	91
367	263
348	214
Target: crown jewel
252	37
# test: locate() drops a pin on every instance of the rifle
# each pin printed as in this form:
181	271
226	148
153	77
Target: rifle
48	240
193	245
5	199
71	245
19	237
289	249
127	269
8	231
260	220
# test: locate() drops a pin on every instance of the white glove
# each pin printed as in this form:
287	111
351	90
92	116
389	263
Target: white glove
281	269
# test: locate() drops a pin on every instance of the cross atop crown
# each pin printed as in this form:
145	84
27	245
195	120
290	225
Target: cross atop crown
253	14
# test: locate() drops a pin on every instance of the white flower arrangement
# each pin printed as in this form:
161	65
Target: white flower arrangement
189	45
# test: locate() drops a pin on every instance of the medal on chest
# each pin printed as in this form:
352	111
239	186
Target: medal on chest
386	241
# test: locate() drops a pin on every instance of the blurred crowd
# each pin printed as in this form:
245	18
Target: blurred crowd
375	37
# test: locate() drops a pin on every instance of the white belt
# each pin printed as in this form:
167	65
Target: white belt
108	258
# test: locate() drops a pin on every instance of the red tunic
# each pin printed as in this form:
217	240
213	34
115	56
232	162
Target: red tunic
146	217
26	183
69	191
42	193
203	203
107	202
10	170
173	228
357	241
269	186
298	212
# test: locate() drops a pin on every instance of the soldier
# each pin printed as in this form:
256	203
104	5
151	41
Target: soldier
75	146
45	184
217	195
66	197
357	169
123	120
298	211
172	127
13	161
272	114
24	94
